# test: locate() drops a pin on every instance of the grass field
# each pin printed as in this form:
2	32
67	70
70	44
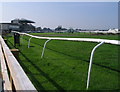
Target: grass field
65	63
79	35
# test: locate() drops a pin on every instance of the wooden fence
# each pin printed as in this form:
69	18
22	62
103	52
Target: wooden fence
13	75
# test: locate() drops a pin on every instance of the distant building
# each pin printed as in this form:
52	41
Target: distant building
59	29
21	25
38	29
25	25
7	27
46	30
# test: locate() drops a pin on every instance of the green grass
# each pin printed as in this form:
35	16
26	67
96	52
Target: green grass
65	64
80	35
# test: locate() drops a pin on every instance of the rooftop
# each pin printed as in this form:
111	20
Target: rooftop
23	20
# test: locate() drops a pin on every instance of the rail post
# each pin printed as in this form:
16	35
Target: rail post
29	42
90	64
44	47
16	39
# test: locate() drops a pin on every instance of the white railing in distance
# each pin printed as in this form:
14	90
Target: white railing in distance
116	42
44	48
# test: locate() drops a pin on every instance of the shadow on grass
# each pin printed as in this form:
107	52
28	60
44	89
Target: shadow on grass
32	46
40	71
44	74
28	72
75	57
78	58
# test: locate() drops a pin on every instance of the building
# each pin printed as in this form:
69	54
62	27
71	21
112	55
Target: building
21	25
7	27
25	25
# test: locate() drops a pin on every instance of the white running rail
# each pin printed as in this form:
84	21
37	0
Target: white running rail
90	64
116	42
29	42
44	47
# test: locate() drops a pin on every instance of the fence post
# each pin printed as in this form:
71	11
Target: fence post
29	42
16	39
90	64
44	47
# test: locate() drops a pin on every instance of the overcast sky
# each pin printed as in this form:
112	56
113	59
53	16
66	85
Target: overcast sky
86	15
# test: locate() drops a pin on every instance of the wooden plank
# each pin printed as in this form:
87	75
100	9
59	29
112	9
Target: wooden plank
7	85
20	79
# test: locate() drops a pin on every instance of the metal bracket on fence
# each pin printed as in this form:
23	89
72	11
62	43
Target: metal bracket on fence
44	47
29	42
90	64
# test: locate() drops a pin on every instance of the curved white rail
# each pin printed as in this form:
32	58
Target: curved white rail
44	47
117	42
29	42
90	64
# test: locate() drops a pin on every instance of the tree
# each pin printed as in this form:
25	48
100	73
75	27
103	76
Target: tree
71	30
38	29
58	28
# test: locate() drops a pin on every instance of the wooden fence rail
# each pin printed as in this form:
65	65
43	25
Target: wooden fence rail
17	74
7	85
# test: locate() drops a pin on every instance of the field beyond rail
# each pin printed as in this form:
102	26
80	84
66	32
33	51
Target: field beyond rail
65	63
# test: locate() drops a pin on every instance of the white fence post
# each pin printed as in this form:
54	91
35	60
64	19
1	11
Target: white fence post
44	47
90	64
29	42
